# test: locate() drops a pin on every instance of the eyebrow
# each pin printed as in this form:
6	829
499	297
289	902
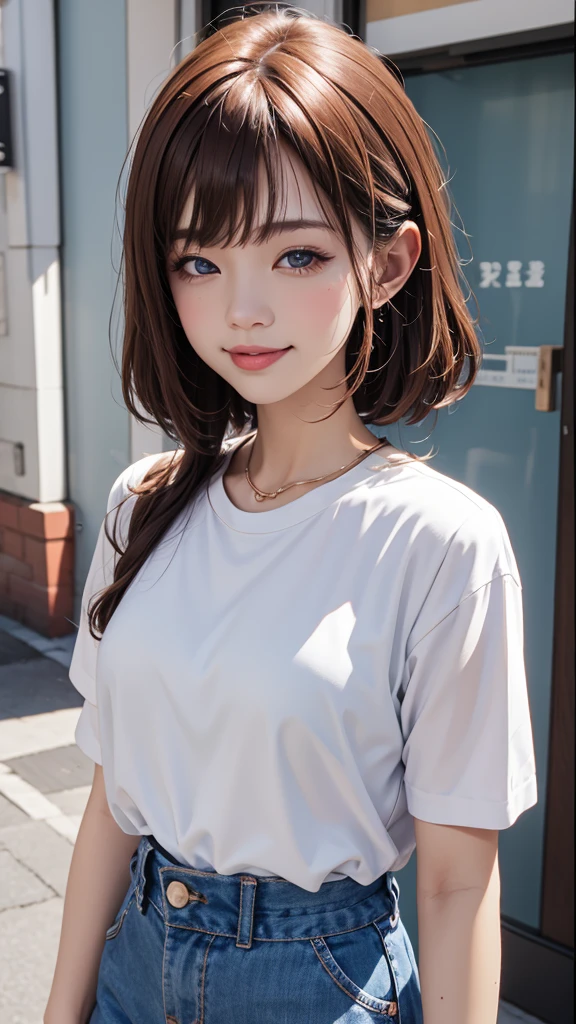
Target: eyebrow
277	227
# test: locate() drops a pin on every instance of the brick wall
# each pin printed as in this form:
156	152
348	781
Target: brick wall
37	563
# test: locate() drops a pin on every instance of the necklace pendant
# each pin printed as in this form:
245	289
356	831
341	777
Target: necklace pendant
262	495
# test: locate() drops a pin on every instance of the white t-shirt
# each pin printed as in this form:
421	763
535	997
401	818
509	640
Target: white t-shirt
280	692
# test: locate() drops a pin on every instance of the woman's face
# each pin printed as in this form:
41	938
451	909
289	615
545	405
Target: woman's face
293	296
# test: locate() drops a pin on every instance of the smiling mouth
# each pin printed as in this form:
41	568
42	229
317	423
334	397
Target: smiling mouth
255	357
254	350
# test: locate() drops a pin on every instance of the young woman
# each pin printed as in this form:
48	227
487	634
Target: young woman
300	647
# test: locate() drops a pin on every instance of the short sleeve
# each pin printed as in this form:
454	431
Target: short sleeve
82	670
468	742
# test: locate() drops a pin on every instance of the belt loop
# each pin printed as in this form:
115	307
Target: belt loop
394	890
144	848
246	911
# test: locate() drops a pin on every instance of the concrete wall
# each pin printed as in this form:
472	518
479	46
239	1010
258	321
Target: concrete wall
32	448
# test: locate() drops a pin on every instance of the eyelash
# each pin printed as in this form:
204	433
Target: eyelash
177	266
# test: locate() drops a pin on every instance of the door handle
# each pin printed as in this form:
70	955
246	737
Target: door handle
550	359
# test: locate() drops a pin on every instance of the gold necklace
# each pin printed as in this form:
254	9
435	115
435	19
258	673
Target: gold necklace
262	495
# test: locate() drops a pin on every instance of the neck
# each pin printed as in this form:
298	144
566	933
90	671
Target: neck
295	440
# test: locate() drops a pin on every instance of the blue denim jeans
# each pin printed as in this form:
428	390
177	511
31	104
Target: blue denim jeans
197	947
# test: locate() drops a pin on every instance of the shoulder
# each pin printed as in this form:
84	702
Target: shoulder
467	516
135	473
444	520
424	490
130	477
121	497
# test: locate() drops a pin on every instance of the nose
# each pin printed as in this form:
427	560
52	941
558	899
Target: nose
248	308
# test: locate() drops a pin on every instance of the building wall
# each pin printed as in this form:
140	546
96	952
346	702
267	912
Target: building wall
93	115
102	104
36	526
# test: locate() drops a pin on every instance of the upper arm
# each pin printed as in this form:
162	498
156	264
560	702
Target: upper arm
82	670
98	798
451	857
468	746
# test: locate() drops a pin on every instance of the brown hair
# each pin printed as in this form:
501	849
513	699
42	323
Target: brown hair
278	76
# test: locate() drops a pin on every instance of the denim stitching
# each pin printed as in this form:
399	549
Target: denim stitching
118	924
215	874
313	912
240	915
156	907
293	938
245	880
391	967
362	998
201	983
138	873
168	1018
141	875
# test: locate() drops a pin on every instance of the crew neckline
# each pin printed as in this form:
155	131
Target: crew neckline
297	510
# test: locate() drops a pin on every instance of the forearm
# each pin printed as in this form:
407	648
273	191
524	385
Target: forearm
98	878
460	954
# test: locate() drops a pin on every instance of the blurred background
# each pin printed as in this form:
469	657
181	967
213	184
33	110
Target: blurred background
494	81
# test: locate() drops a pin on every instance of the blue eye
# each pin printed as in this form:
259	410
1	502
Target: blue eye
299	255
200	265
302	260
314	257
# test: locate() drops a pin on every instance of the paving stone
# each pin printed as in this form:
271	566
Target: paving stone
34	687
71	801
10	814
33	733
40	849
54	770
29	940
63	657
12	649
19	885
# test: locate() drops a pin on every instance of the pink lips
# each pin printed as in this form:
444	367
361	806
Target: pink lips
255	357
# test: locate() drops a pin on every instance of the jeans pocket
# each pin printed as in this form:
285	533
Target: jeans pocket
405	969
358	963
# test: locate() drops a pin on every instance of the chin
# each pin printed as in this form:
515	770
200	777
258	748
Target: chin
262	392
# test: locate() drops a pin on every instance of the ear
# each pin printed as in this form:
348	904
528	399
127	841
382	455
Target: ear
394	264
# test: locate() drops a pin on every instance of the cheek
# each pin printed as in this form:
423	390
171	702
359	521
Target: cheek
197	317
188	309
323	309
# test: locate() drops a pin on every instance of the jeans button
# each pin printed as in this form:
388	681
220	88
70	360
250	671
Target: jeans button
177	894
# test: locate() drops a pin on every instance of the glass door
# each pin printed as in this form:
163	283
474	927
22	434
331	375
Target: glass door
507	130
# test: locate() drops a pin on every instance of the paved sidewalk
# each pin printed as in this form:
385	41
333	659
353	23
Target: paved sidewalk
44	785
45	780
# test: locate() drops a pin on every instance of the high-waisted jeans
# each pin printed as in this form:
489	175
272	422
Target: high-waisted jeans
197	947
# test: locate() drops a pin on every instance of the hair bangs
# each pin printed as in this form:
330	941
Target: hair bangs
215	173
225	151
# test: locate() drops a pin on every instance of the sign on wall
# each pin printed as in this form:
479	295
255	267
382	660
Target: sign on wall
414	26
376	9
6	149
